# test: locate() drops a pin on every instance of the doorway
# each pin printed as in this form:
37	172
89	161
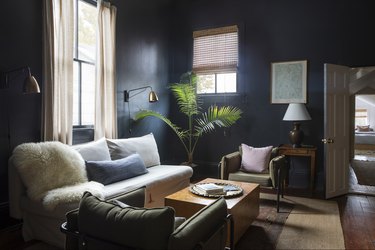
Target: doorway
362	165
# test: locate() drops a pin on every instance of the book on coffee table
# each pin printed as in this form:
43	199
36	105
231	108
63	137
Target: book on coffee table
210	189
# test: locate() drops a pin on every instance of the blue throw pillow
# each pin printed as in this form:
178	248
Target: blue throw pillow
107	172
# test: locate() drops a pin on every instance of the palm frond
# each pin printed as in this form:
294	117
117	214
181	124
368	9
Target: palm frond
185	95
182	134
222	117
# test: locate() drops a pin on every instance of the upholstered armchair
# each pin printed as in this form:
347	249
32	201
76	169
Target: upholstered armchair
273	175
99	224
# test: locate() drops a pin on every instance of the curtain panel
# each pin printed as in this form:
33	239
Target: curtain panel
105	96
58	23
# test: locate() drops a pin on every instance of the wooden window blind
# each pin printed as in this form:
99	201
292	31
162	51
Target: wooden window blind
215	50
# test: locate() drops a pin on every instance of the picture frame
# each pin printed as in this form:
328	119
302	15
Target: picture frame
288	82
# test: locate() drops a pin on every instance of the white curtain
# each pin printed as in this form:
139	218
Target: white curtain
58	23
105	96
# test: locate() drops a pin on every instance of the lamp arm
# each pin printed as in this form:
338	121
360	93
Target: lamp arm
127	92
8	73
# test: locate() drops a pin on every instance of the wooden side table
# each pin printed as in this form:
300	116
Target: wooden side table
288	150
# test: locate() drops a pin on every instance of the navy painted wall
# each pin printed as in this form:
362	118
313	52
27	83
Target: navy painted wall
20	45
142	60
337	32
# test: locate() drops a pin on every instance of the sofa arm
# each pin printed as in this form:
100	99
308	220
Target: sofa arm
278	166
229	163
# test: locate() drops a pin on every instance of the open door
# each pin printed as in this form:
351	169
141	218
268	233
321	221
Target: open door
336	129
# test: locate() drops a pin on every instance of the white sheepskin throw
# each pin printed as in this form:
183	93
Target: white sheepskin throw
48	165
71	194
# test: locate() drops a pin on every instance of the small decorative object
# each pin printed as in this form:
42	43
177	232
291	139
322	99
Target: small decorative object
296	112
288	82
210	188
214	190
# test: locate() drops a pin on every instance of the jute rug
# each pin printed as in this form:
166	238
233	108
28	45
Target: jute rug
302	223
312	224
265	230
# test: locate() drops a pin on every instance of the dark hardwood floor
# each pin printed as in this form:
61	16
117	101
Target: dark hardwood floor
357	213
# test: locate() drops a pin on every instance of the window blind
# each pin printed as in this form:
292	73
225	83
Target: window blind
215	49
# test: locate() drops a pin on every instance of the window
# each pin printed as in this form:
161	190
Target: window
85	23
361	117
215	60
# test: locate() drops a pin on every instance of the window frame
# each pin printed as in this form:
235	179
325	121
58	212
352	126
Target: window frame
80	63
216	71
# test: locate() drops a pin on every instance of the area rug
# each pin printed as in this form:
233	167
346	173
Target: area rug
302	223
312	224
265	230
364	171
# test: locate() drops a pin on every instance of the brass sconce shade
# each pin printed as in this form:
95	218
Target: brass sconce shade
153	97
30	85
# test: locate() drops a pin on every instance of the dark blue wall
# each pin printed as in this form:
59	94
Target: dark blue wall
20	45
142	48
321	32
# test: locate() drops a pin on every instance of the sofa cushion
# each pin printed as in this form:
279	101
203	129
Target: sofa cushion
145	146
48	165
255	160
94	151
125	226
107	172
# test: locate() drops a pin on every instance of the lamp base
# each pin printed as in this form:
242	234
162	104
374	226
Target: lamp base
296	135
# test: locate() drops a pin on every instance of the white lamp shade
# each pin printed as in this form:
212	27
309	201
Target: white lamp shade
296	112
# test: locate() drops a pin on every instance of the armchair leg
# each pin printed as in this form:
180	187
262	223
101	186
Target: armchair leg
279	187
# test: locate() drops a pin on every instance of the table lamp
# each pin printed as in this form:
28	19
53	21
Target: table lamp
296	112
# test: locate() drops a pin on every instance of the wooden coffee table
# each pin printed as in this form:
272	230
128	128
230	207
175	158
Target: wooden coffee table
244	208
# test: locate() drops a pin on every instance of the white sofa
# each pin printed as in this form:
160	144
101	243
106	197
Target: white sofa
42	221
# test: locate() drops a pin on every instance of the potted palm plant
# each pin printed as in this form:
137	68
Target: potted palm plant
198	123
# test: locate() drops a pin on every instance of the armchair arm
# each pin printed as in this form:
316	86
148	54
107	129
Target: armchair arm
278	166
229	163
134	198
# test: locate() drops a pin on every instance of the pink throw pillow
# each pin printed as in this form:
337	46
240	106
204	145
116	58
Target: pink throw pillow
255	160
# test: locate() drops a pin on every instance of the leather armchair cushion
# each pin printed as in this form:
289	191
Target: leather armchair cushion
125	226
262	179
200	226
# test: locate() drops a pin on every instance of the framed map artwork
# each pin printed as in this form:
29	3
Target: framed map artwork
288	82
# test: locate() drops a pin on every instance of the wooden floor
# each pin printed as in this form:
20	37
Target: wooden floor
357	213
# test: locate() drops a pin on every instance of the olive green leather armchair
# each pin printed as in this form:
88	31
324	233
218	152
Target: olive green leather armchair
110	225
230	169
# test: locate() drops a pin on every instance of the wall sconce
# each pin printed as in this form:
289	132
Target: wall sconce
30	85
152	97
296	112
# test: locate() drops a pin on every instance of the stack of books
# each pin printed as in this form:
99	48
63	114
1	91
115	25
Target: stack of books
210	189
